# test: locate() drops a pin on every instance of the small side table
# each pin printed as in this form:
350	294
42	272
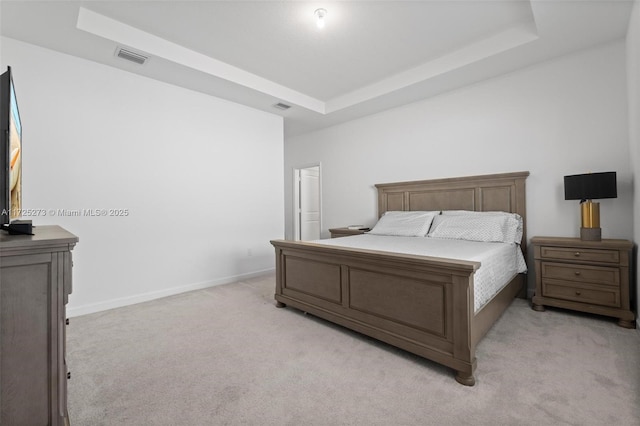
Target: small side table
345	232
587	276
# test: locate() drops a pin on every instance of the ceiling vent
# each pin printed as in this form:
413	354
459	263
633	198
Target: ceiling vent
282	106
129	55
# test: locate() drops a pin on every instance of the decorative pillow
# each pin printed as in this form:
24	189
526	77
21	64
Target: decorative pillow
513	225
404	224
490	228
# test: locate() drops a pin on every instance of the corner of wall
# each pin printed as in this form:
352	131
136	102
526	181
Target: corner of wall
633	90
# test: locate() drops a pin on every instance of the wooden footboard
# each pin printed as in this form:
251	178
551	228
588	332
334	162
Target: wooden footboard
421	304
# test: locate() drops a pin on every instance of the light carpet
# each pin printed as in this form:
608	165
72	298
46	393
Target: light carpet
227	356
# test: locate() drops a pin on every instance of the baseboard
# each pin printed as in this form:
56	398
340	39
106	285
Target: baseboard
145	297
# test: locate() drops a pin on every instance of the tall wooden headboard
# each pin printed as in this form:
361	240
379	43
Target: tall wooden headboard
496	192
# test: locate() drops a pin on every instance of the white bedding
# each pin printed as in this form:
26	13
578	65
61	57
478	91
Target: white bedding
499	261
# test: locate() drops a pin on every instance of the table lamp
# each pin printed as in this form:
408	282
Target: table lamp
587	187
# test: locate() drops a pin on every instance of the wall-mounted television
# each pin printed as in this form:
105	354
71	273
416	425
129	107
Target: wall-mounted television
10	152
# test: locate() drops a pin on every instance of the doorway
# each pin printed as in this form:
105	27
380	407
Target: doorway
306	203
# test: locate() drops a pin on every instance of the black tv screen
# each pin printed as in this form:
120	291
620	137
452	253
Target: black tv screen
10	151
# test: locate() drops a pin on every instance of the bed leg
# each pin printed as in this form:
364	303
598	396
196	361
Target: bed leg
465	378
280	305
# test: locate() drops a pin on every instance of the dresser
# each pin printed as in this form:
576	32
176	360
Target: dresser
35	282
587	276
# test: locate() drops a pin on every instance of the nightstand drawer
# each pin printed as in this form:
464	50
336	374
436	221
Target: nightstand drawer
581	273
570	291
580	254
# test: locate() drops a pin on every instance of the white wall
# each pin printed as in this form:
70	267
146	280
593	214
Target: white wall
633	81
557	118
201	177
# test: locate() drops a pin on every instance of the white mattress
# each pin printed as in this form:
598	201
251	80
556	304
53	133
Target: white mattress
500	262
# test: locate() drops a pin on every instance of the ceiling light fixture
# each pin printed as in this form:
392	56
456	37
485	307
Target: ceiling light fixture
320	14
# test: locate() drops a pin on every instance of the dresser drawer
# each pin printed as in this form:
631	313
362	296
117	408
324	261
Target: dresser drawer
604	296
581	273
578	254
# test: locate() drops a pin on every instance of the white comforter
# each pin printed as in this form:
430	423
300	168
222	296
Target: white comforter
500	262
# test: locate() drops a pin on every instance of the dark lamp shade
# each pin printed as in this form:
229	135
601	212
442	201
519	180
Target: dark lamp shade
590	186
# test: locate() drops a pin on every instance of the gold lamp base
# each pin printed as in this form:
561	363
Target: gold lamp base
590	230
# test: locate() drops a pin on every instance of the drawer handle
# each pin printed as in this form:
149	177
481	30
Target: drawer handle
577	272
578	293
576	254
68	375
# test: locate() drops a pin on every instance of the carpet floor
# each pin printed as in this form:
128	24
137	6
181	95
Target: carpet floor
226	356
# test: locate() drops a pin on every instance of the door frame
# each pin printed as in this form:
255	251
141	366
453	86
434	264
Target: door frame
296	197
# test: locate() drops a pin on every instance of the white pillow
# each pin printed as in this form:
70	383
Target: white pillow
488	228
404	224
513	227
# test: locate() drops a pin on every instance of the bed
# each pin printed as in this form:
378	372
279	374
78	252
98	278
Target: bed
422	304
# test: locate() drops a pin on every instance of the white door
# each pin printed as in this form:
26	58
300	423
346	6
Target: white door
308	204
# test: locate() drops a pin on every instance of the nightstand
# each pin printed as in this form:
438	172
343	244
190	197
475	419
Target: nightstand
587	276
345	232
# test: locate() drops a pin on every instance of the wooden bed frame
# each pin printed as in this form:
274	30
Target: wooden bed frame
424	305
